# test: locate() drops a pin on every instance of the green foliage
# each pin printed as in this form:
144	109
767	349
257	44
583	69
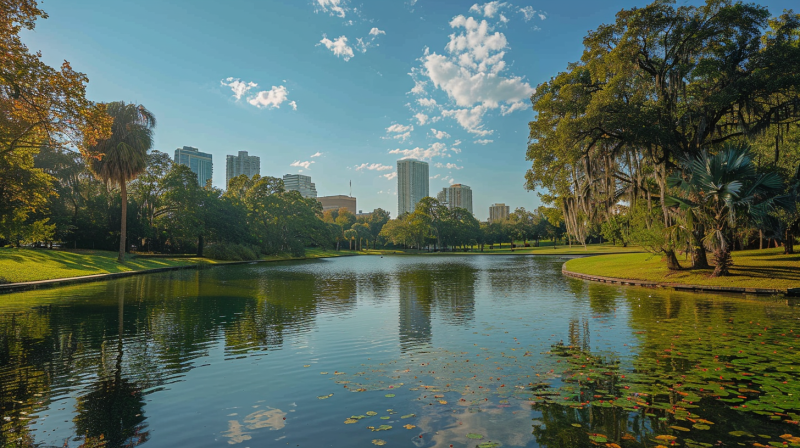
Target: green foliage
230	252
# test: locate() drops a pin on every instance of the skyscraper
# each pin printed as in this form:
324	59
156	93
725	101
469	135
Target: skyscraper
456	195
303	184
199	162
498	212
412	184
241	164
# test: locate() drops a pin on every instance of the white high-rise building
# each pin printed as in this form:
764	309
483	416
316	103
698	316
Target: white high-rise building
303	184
498	212
199	162
241	164
456	195
412	184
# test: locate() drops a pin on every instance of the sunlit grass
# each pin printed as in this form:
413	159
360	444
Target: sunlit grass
768	268
26	265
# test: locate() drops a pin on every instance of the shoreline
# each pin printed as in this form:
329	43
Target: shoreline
676	286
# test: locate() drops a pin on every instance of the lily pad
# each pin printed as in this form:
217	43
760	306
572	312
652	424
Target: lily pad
475	436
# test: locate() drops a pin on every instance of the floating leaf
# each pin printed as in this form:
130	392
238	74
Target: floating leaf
599	438
680	428
488	445
409	426
378	442
371	413
701	426
666	437
408	416
389	395
381	428
475	436
577	425
442	402
325	397
385	417
740	434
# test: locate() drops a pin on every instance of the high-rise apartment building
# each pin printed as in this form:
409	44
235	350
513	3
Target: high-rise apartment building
241	164
412	184
498	212
303	184
456	195
199	162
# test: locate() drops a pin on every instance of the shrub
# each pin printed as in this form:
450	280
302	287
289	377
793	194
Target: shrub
230	252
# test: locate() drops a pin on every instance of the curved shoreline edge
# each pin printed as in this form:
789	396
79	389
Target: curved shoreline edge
677	286
43	284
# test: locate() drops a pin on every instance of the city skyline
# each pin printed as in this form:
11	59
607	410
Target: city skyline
279	91
413	184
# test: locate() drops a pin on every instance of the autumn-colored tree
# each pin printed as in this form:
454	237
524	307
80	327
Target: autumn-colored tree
124	154
39	104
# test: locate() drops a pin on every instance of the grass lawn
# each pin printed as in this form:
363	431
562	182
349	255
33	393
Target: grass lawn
768	268
547	248
26	265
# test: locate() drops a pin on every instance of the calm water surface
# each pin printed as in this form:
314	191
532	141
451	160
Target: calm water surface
405	351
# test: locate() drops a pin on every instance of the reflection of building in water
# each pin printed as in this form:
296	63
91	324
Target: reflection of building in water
415	318
448	288
579	334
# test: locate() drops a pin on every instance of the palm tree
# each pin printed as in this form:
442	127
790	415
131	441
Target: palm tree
124	154
720	192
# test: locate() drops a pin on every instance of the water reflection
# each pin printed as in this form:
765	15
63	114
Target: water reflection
252	354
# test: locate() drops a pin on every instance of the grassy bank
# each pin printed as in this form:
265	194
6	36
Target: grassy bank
768	268
29	265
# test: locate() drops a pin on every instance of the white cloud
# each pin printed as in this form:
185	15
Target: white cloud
421	118
520	105
488	9
528	13
439	134
390	176
316	155
427	102
451	181
483	141
272	98
333	7
373	167
306	165
399	128
435	177
402	137
449	166
294	105
458	142
437	149
338	46
238	86
469	119
362	43
419	87
471	71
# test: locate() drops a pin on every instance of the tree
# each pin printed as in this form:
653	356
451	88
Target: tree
723	191
39	104
124	153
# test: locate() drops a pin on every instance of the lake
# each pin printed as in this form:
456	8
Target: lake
403	351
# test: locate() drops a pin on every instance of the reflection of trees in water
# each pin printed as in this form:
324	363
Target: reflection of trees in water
447	287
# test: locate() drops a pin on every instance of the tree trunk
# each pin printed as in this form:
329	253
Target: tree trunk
200	245
788	245
699	259
760	239
672	260
723	259
124	226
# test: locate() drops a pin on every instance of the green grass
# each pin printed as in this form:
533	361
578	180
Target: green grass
27	265
768	268
547	248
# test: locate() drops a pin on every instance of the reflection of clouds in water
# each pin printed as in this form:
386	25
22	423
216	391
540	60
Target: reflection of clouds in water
450	427
272	419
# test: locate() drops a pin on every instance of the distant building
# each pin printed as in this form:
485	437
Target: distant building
337	202
498	212
199	162
303	184
241	164
456	195
412	184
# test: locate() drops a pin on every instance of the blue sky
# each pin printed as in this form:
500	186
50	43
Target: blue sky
335	89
